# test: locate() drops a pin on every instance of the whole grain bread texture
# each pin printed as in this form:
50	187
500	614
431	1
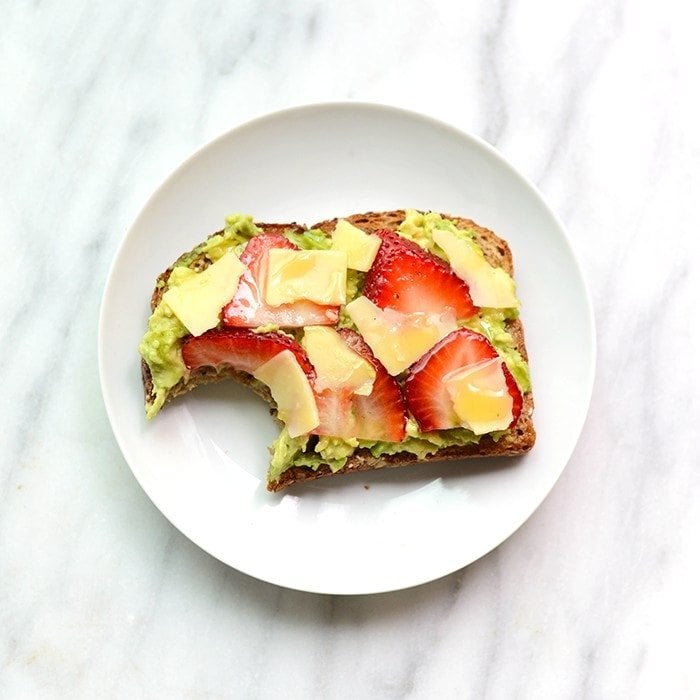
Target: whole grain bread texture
519	439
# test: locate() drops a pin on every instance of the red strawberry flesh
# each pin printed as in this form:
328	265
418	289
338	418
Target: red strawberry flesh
409	279
241	349
335	413
379	416
248	308
427	396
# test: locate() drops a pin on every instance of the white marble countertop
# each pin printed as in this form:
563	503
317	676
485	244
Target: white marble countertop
596	595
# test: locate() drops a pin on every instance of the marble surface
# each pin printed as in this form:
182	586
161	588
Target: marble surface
596	595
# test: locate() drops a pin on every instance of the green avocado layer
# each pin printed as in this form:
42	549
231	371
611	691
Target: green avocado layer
160	347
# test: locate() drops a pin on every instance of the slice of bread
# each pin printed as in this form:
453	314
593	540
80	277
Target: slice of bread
517	441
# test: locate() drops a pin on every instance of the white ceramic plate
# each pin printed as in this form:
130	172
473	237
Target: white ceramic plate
203	460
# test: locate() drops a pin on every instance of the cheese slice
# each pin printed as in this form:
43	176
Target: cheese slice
480	396
198	297
360	247
398	340
316	275
290	388
490	287
337	366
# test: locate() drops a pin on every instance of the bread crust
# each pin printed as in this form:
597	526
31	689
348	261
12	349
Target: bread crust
519	439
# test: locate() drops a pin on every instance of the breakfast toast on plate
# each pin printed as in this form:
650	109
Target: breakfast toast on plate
379	340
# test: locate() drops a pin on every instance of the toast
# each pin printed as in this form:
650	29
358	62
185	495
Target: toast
518	439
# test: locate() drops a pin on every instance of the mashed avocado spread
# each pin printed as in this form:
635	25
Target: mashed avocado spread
161	350
160	346
419	228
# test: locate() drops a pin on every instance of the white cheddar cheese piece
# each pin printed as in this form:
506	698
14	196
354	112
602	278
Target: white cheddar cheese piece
398	340
360	247
480	396
337	366
490	287
315	275
197	299
290	388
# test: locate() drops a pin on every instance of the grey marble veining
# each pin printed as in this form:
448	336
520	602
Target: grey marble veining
595	596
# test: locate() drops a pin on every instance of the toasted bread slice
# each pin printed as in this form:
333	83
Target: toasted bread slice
517	441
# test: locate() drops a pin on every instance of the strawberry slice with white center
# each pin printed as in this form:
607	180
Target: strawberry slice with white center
248	308
241	349
379	416
407	278
335	413
427	393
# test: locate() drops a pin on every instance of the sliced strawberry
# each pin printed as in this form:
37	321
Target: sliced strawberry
427	396
241	349
379	416
407	278
259	245
335	413
248	308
